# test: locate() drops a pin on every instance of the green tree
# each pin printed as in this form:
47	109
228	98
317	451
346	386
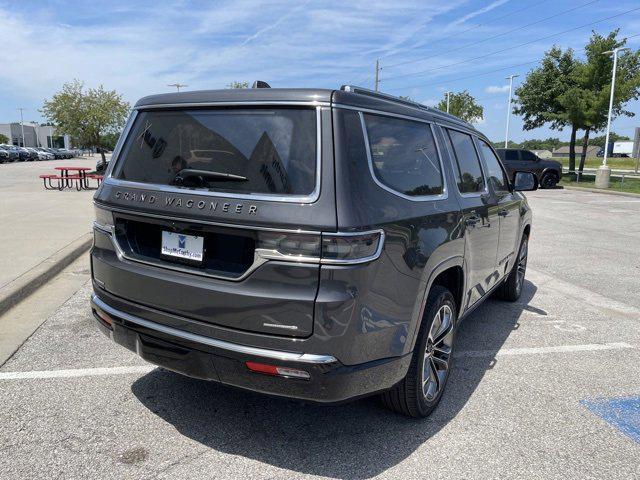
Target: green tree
594	78
235	84
109	140
544	95
87	115
4	138
463	105
546	144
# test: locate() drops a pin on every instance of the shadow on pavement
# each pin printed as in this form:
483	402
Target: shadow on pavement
355	440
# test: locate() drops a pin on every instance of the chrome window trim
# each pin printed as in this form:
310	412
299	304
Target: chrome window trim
399	115
214	342
452	155
310	198
260	255
419	198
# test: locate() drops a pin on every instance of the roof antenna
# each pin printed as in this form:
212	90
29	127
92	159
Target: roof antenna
260	84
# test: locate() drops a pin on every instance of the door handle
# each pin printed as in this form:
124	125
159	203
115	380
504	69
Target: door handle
504	212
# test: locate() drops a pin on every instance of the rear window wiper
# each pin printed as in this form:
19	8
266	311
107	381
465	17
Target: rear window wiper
189	177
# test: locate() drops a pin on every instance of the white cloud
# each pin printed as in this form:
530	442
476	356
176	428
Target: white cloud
480	11
496	89
139	54
430	102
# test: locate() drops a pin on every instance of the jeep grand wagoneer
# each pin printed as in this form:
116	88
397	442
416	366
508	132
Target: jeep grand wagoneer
316	244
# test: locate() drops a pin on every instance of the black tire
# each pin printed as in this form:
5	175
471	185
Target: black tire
511	288
549	180
408	397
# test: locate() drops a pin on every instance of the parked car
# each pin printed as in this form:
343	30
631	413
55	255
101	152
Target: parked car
548	172
39	155
325	251
56	154
4	156
44	154
66	153
14	155
33	154
24	154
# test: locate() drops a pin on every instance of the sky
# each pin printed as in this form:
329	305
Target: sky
425	47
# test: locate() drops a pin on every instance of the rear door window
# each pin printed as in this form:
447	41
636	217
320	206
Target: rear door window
495	172
468	171
404	157
245	151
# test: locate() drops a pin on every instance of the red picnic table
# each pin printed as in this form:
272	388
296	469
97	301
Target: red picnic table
65	179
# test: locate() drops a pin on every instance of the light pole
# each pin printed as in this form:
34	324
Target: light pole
177	85
506	135
22	125
51	134
448	100
377	79
604	172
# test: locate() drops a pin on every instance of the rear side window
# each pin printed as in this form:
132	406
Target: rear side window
511	155
404	156
495	173
467	169
246	151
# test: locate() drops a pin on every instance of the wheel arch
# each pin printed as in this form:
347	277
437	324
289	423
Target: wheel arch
450	273
550	170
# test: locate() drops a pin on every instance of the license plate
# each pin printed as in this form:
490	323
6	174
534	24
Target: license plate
187	247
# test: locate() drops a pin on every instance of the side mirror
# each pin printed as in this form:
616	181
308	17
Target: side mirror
525	182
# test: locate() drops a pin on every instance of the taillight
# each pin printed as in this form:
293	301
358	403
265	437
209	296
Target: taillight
104	219
275	244
347	248
327	248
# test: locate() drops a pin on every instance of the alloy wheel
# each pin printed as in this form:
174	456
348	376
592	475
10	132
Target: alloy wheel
437	356
521	269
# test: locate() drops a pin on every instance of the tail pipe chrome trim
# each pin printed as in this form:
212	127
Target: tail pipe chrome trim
212	342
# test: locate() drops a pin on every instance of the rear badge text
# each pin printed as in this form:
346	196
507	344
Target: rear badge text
179	202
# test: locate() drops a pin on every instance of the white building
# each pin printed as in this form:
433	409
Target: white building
34	135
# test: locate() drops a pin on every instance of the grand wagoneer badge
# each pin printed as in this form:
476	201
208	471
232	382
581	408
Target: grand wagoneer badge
178	202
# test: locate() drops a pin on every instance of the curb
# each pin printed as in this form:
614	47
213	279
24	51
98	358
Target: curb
27	283
600	190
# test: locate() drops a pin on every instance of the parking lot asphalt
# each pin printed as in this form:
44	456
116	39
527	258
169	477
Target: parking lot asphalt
547	387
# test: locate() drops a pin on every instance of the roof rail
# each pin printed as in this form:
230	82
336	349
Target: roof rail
410	103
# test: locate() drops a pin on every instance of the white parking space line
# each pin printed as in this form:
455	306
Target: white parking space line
593	347
585	295
603	202
77	372
92	372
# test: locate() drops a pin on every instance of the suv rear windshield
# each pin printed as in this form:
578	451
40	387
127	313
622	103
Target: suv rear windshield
261	151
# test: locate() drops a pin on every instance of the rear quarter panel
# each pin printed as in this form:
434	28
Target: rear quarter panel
378	306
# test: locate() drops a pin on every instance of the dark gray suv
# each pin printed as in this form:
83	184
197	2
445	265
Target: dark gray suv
316	244
548	172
